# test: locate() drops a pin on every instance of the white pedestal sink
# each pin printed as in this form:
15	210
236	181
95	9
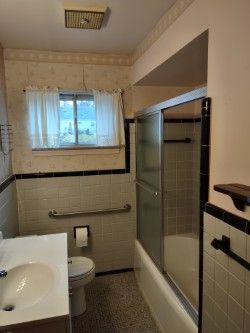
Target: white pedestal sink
36	284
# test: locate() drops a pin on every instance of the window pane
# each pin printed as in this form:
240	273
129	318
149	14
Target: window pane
67	128
86	122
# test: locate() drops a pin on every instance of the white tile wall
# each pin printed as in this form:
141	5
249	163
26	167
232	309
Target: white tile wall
8	212
226	292
112	236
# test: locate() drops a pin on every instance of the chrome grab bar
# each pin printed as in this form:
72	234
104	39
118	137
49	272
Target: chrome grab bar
147	187
126	208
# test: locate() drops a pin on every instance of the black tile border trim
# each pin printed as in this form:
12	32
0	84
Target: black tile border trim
204	189
6	183
233	220
182	120
72	173
116	271
127	122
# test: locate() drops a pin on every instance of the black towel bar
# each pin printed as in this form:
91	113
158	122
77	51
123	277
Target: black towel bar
186	140
223	244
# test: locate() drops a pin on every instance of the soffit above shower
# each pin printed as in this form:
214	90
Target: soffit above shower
186	68
40	25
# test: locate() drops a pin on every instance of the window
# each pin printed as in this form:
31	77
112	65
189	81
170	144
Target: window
64	120
77	120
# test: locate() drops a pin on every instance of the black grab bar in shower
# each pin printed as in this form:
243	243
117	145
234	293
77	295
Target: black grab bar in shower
186	140
223	244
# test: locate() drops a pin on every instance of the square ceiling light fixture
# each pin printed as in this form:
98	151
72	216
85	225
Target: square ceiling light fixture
85	18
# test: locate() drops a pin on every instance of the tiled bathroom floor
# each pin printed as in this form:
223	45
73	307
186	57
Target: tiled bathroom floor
115	305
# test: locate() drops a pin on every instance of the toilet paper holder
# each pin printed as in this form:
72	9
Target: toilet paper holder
81	226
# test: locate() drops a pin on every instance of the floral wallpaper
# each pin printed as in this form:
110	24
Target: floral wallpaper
20	74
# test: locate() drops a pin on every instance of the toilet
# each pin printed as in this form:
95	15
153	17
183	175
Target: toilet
81	272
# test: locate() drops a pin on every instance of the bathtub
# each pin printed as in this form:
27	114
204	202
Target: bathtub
164	305
181	261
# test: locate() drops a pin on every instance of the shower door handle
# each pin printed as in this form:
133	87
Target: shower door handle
147	187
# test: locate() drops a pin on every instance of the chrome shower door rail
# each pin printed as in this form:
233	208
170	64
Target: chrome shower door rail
125	208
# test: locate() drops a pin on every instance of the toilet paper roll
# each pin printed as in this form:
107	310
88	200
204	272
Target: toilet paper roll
81	237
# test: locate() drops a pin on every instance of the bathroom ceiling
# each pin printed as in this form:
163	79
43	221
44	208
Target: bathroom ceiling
39	24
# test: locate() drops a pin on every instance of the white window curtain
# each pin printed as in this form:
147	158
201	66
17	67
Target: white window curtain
109	118
44	122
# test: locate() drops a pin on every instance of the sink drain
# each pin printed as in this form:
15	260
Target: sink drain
9	308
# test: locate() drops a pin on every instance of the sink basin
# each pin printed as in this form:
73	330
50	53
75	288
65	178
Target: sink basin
36	285
25	285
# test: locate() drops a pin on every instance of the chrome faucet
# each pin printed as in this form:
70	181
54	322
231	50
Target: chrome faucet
3	273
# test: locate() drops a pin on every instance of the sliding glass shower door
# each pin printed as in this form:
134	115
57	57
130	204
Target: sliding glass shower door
149	195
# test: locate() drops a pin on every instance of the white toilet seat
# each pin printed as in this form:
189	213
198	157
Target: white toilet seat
82	276
79	267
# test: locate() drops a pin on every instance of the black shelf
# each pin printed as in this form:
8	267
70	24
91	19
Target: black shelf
239	193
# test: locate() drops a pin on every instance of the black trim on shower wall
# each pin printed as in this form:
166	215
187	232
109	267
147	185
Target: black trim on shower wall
6	183
182	120
234	220
204	188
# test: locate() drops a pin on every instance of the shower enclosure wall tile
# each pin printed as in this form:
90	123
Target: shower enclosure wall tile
181	177
220	318
221	276
236	313
246	322
221	298
236	289
229	288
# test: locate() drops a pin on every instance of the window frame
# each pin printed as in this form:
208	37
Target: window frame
75	96
65	149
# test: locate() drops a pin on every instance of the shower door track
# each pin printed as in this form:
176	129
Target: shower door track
193	313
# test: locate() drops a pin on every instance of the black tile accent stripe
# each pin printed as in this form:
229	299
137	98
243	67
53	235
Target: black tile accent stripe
117	271
204	188
182	120
229	218
6	183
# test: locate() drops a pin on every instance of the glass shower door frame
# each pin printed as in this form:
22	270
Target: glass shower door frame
154	191
200	93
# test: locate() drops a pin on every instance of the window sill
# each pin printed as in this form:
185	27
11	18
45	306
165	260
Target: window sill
69	151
